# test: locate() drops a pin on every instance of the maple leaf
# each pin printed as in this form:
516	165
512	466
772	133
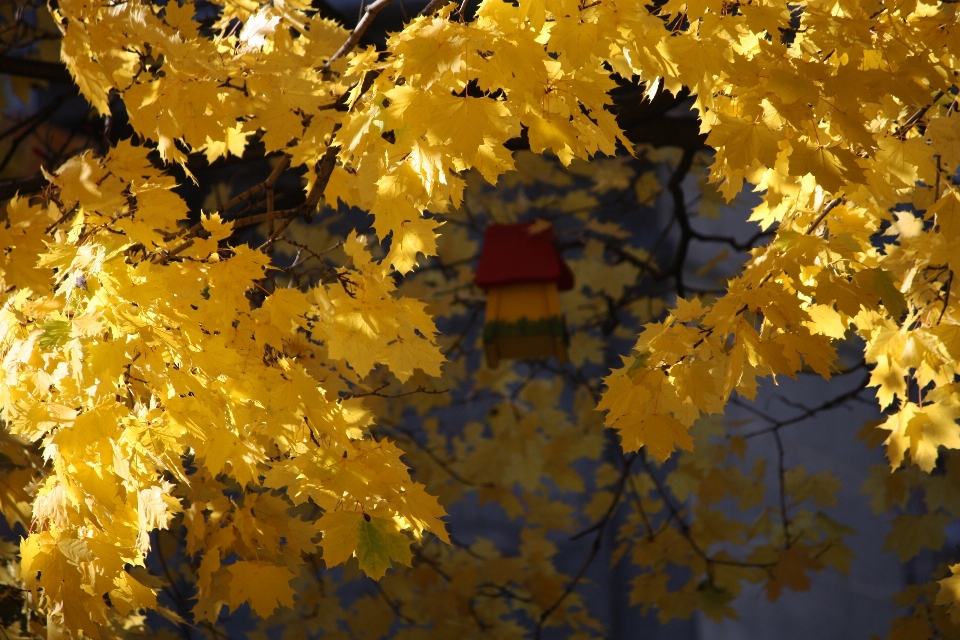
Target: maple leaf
407	353
340	535
155	366
831	166
413	237
911	533
379	544
660	433
743	142
791	572
949	594
264	586
826	321
286	308
131	595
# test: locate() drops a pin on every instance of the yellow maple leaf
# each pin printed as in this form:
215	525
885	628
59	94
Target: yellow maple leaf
660	433
949	593
911	533
264	586
831	166
340	535
744	142
790	572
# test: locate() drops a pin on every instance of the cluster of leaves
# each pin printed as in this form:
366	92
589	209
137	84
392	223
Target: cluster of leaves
154	374
228	378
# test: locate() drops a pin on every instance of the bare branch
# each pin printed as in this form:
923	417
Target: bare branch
833	204
776	425
376	392
35	69
918	114
266	185
354	39
680	215
600	527
432	7
27	184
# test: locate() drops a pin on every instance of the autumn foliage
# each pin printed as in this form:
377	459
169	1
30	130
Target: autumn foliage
221	404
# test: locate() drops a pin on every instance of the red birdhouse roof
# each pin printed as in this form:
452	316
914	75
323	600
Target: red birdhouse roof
517	254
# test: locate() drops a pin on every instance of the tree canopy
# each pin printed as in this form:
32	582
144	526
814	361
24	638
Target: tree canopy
216	391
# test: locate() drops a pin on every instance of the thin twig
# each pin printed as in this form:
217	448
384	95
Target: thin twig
376	392
946	295
35	121
813	227
624	475
324	170
600	527
782	489
274	236
66	214
776	425
915	118
394	605
674	186
354	39
266	185
247	196
430	562
833	204
430	454
432	7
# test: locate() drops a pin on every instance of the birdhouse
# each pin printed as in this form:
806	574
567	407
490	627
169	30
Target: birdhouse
523	273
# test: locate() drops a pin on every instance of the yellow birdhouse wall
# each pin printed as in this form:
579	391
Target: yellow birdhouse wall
524	322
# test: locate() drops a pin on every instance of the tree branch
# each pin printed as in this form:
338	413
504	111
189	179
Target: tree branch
266	185
675	187
35	69
600	527
432	7
357	33
833	204
376	392
808	413
27	184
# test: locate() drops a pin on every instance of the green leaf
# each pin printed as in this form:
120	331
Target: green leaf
55	332
380	543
